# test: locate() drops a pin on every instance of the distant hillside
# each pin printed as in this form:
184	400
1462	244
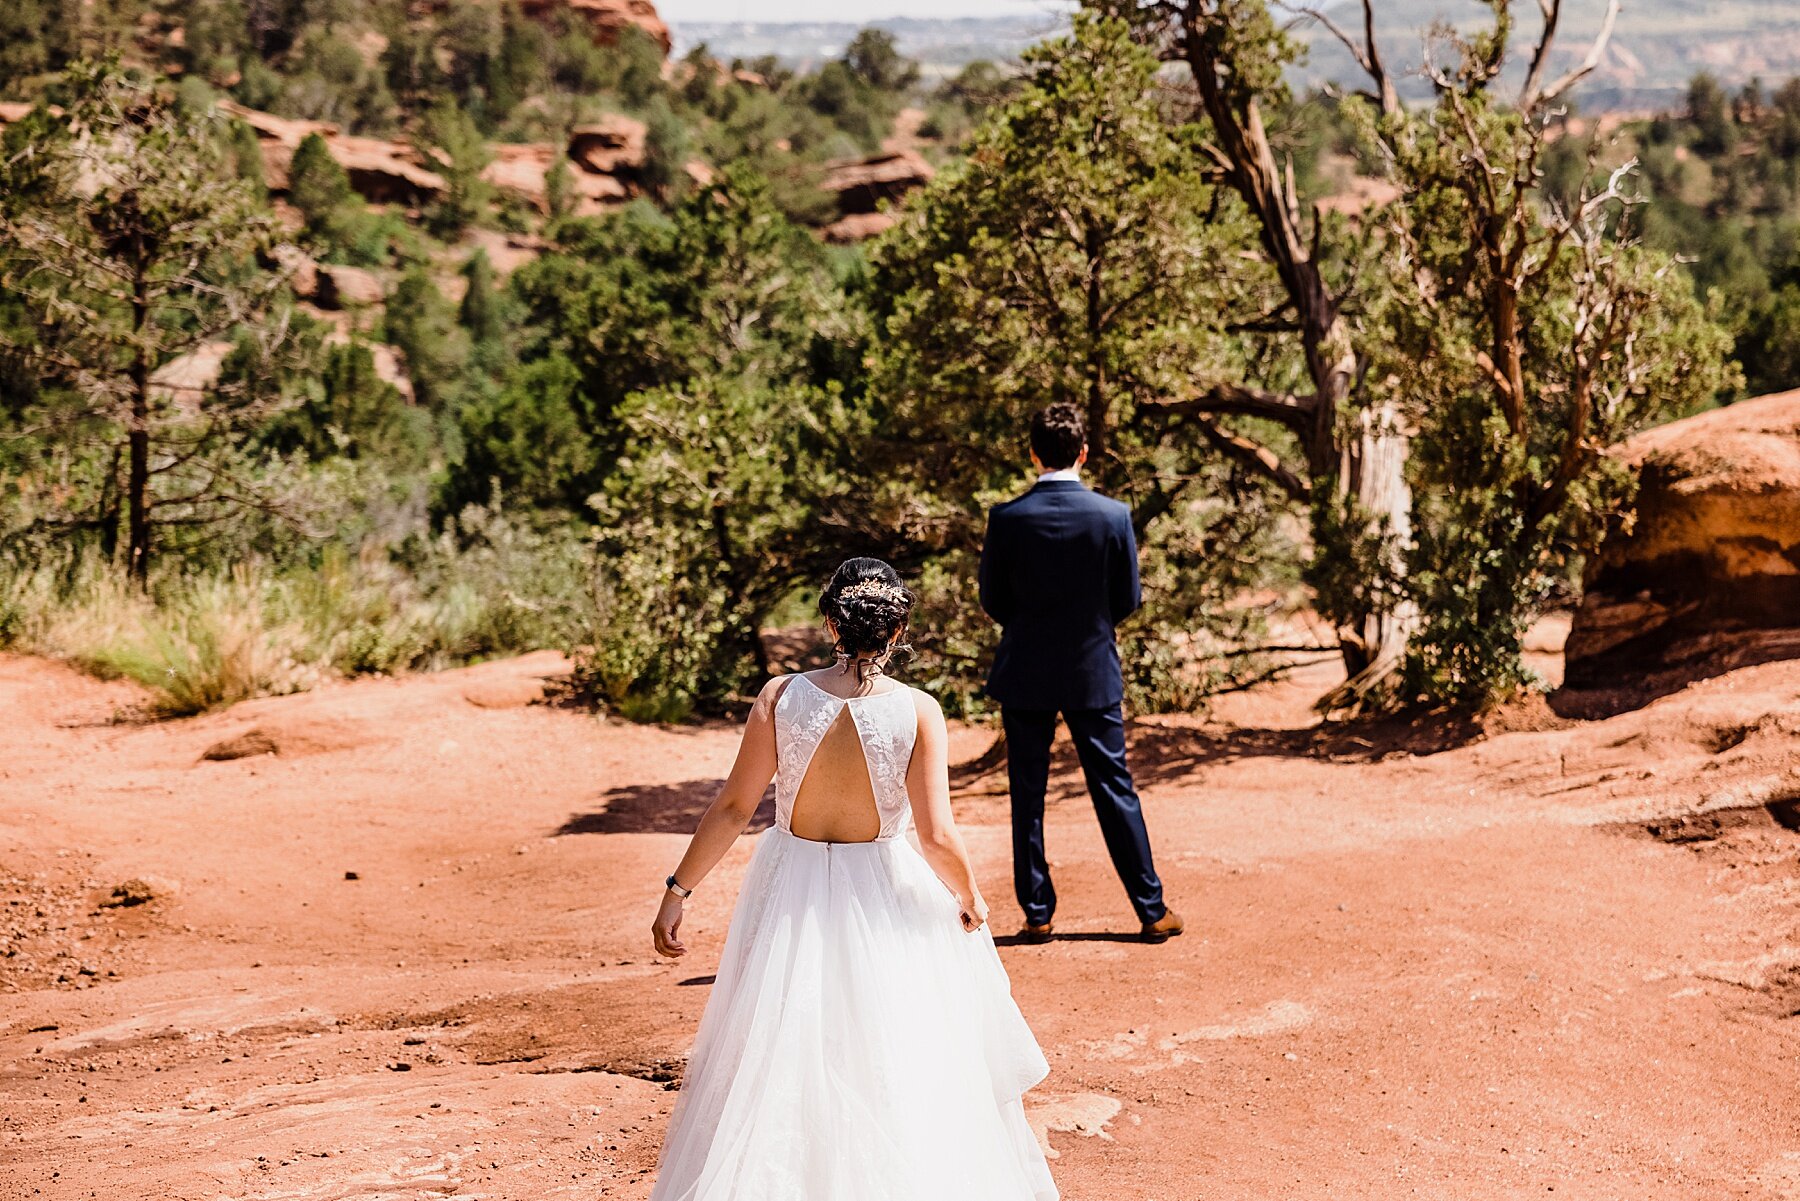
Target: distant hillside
1658	47
940	46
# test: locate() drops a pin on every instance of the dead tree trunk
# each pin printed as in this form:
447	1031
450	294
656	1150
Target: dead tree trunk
137	472
1356	452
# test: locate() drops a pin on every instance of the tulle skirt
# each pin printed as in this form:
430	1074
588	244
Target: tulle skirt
858	1045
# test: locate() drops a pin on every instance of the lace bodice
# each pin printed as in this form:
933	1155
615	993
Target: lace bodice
886	725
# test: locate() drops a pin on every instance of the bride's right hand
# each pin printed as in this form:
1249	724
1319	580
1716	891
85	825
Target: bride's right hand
665	929
974	914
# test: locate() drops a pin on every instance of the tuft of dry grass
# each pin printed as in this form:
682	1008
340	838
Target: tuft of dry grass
203	640
196	643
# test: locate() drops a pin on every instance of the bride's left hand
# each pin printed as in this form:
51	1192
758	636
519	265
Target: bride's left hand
974	914
665	930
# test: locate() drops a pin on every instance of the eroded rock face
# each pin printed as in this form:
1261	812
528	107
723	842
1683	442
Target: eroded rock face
1709	564
611	145
857	227
191	375
605	20
342	287
524	169
385	172
863	185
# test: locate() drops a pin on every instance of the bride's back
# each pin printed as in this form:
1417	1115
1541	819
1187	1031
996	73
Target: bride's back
842	761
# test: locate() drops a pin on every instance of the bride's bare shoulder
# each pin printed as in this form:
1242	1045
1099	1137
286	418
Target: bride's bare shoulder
926	704
771	694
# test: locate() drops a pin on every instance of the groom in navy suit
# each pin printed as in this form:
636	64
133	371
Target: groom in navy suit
1058	572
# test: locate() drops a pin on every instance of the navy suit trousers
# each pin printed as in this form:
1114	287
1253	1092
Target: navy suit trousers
1099	736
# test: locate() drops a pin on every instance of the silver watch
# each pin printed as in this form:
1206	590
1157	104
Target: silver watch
678	890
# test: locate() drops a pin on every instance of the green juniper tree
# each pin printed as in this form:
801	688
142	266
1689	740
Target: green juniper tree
482	314
1441	500
317	185
452	144
1074	255
723	286
1524	336
422	322
127	239
678	372
712	516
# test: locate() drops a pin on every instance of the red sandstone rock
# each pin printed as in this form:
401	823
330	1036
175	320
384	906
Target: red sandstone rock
612	145
290	735
606	19
1710	559
524	170
347	287
857	227
382	171
188	376
862	185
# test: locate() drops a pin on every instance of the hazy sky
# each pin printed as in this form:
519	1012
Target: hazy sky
677	11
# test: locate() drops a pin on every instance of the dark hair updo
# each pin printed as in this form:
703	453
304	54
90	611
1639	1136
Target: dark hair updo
869	607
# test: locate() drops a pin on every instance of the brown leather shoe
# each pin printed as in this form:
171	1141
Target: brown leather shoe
1037	934
1164	928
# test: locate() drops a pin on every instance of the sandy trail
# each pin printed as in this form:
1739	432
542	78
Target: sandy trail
1471	974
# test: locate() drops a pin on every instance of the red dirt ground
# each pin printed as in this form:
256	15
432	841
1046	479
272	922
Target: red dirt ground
1564	960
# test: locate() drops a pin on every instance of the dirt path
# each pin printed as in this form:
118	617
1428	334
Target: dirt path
1558	962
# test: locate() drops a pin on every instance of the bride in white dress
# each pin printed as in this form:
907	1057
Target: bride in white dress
861	1042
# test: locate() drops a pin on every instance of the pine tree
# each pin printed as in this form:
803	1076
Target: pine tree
317	185
454	146
559	189
421	322
480	311
130	242
1070	257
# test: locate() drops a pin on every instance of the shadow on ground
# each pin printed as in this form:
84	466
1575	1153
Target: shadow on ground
1633	676
1161	752
1019	940
659	809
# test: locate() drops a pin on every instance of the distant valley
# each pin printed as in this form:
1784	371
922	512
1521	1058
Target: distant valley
1657	47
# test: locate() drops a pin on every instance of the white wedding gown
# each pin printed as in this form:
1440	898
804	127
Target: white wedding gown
858	1045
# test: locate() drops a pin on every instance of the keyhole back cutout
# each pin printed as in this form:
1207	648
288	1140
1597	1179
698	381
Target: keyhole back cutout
836	798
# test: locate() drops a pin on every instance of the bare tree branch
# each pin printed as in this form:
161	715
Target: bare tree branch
1595	53
1295	412
1256	457
1552	13
1367	55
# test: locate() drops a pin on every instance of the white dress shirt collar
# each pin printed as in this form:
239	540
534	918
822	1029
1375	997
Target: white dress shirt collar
1066	473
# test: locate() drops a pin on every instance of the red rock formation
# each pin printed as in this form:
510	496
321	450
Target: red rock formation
385	172
857	227
302	270
524	170
1709	565
189	376
612	145
342	287
862	185
289	131
381	171
605	19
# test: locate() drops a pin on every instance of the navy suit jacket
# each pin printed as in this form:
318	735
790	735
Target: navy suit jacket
1058	571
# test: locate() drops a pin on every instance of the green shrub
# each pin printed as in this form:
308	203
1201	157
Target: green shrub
209	645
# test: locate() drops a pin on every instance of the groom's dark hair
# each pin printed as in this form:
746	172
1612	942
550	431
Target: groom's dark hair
1057	435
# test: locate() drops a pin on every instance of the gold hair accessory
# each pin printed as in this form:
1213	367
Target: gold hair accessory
881	588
